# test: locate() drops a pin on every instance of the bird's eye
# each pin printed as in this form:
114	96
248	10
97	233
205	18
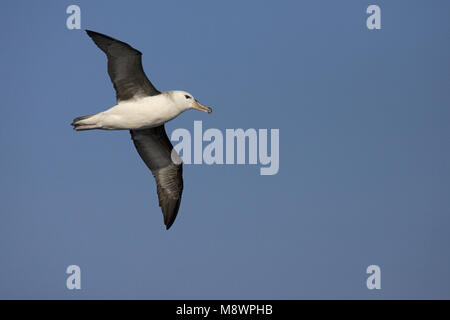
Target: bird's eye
187	97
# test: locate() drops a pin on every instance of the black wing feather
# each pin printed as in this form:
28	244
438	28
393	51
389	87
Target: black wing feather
155	149
124	67
153	145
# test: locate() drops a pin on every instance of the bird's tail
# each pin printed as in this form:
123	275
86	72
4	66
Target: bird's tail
85	123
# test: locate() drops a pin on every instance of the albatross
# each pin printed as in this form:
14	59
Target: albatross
143	110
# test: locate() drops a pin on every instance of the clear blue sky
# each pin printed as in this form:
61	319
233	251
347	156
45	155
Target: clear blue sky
364	155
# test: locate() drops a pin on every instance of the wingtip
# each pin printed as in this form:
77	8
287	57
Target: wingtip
168	221
90	33
93	34
168	225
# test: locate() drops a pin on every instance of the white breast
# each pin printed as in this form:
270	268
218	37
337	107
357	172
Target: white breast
141	113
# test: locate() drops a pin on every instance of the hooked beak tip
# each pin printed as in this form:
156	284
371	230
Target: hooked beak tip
198	106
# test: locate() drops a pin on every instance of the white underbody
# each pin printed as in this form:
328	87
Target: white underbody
138	113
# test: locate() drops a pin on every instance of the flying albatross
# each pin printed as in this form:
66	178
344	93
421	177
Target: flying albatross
143	110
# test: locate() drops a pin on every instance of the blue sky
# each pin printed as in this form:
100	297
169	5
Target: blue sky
364	160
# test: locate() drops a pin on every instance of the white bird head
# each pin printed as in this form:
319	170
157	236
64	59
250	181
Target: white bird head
184	100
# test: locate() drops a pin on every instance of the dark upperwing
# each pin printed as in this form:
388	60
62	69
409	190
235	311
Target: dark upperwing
153	145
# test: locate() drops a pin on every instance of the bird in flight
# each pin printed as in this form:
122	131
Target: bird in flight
143	110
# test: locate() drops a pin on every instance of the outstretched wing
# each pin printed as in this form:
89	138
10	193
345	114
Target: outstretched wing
124	67
155	149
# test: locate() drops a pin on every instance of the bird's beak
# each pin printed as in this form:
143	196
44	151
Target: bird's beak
198	106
